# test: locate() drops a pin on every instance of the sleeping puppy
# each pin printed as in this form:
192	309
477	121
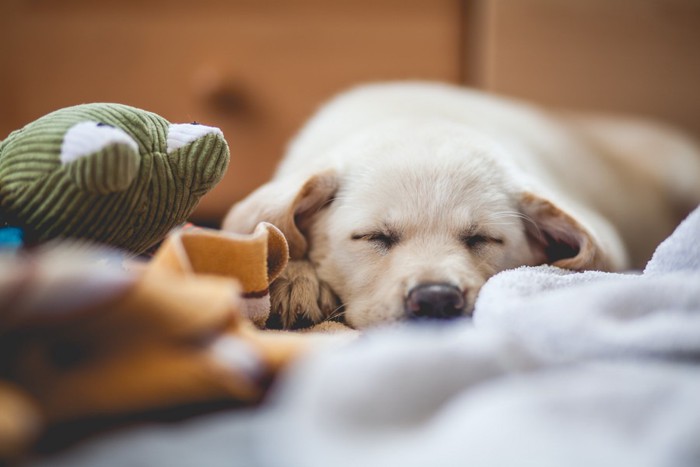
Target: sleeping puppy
400	200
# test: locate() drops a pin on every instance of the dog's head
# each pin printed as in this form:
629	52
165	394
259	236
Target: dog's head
415	219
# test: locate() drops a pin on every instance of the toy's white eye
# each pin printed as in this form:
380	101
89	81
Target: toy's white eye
181	134
85	138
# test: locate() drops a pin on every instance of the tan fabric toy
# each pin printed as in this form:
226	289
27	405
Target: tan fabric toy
80	339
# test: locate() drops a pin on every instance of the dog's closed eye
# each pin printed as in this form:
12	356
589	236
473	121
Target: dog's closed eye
475	241
384	240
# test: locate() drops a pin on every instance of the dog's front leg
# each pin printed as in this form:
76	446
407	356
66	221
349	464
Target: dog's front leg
299	298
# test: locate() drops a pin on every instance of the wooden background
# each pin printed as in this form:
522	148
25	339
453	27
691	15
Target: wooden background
258	68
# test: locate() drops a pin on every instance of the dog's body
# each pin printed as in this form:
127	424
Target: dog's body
403	199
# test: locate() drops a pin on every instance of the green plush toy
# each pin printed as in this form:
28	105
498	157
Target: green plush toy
109	173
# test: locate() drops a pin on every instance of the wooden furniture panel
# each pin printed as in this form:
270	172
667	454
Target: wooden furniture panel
631	56
256	69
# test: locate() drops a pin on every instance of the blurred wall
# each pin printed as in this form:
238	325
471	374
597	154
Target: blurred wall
626	56
259	68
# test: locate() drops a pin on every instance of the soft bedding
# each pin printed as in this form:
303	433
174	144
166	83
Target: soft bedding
556	368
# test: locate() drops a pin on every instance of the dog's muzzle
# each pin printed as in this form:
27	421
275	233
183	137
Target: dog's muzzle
434	301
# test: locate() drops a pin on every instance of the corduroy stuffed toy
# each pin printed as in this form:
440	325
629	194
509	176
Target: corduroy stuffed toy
108	173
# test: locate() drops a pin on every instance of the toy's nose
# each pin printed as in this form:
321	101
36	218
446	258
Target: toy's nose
182	134
436	301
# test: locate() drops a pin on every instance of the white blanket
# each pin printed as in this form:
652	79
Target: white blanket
557	369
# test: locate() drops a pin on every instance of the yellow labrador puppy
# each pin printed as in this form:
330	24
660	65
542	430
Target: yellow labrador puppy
402	199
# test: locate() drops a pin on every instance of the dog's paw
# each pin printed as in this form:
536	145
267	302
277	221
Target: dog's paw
299	298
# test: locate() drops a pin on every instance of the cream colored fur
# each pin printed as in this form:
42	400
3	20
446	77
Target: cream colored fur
464	185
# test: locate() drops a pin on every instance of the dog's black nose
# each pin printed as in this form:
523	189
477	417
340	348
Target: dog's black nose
437	301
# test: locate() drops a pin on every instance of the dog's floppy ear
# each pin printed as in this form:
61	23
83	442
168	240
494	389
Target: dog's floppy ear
559	239
288	203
